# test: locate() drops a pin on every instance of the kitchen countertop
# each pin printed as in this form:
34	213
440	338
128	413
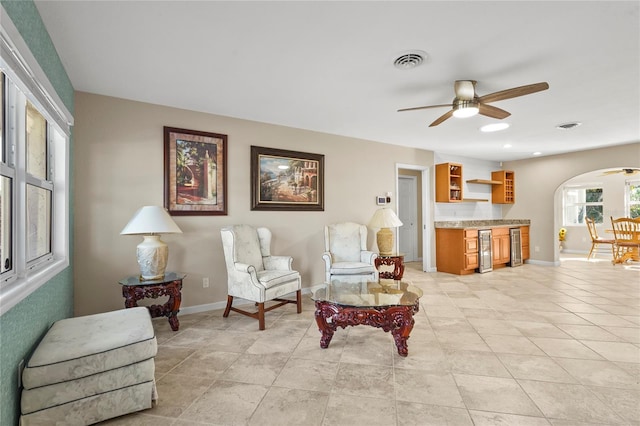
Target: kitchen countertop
482	223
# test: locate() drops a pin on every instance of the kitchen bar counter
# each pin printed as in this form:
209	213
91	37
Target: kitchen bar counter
458	247
482	224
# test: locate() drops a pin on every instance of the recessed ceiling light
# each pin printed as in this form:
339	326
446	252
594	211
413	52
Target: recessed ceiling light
507	145
567	126
537	153
410	59
494	127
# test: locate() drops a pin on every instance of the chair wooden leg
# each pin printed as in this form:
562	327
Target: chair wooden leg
261	316
299	300
228	308
591	251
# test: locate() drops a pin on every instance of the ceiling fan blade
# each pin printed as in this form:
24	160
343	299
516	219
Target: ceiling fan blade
443	117
425	107
493	112
514	93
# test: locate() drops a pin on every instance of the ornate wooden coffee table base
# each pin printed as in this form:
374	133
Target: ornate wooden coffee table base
397	319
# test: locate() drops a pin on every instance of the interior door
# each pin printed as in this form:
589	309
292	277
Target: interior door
408	214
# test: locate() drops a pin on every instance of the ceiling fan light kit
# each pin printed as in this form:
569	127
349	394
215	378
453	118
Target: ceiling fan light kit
464	109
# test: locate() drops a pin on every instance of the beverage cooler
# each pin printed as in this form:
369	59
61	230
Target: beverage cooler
485	254
516	247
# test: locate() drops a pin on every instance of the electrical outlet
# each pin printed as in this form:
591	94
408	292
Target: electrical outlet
205	282
20	368
536	249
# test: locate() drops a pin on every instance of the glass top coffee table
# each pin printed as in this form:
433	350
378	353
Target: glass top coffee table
388	304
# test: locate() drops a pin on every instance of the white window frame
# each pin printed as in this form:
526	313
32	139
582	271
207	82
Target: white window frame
27	81
627	196
566	202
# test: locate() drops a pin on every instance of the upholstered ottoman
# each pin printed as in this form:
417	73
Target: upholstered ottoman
89	369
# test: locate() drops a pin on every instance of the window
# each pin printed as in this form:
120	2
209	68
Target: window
6	185
581	202
34	180
633	198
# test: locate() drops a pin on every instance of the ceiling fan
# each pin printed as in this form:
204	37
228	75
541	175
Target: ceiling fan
625	171
467	103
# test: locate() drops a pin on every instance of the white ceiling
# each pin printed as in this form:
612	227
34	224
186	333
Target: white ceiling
328	65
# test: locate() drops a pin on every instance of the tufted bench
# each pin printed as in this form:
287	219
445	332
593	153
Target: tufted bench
91	368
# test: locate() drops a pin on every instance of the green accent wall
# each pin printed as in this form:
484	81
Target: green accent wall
27	20
24	325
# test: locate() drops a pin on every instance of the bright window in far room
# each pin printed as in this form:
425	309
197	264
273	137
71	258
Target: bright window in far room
583	201
633	198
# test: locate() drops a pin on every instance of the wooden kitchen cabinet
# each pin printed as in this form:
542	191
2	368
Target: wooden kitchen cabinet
524	238
501	247
505	193
456	250
448	183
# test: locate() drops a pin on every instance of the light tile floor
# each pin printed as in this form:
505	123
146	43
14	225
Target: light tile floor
532	345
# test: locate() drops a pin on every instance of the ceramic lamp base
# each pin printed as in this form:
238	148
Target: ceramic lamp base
152	257
384	238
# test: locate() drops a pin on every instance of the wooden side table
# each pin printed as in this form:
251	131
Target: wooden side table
134	289
395	260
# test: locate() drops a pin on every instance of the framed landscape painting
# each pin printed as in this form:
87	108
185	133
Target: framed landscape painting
286	180
195	165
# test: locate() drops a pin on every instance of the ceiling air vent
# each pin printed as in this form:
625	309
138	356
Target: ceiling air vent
567	126
409	60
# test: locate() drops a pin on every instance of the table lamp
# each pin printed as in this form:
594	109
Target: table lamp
150	222
384	219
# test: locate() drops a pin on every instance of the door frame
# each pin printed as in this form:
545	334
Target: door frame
426	212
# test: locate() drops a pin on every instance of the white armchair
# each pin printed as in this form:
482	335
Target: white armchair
254	274
346	256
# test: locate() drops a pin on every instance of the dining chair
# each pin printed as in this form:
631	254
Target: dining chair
626	233
596	240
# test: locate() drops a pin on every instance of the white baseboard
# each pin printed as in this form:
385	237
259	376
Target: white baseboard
221	305
542	262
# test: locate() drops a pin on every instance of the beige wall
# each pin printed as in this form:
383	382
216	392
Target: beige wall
538	179
118	150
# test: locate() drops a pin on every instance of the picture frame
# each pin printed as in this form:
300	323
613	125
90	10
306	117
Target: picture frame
286	180
195	168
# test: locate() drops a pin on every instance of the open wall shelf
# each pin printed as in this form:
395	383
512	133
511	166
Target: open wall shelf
485	181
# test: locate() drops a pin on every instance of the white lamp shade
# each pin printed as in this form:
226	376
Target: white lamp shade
151	220
385	218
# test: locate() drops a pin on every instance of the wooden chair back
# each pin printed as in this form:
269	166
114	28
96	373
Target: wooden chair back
625	230
591	226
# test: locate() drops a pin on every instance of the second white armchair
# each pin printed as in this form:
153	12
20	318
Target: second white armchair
346	256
